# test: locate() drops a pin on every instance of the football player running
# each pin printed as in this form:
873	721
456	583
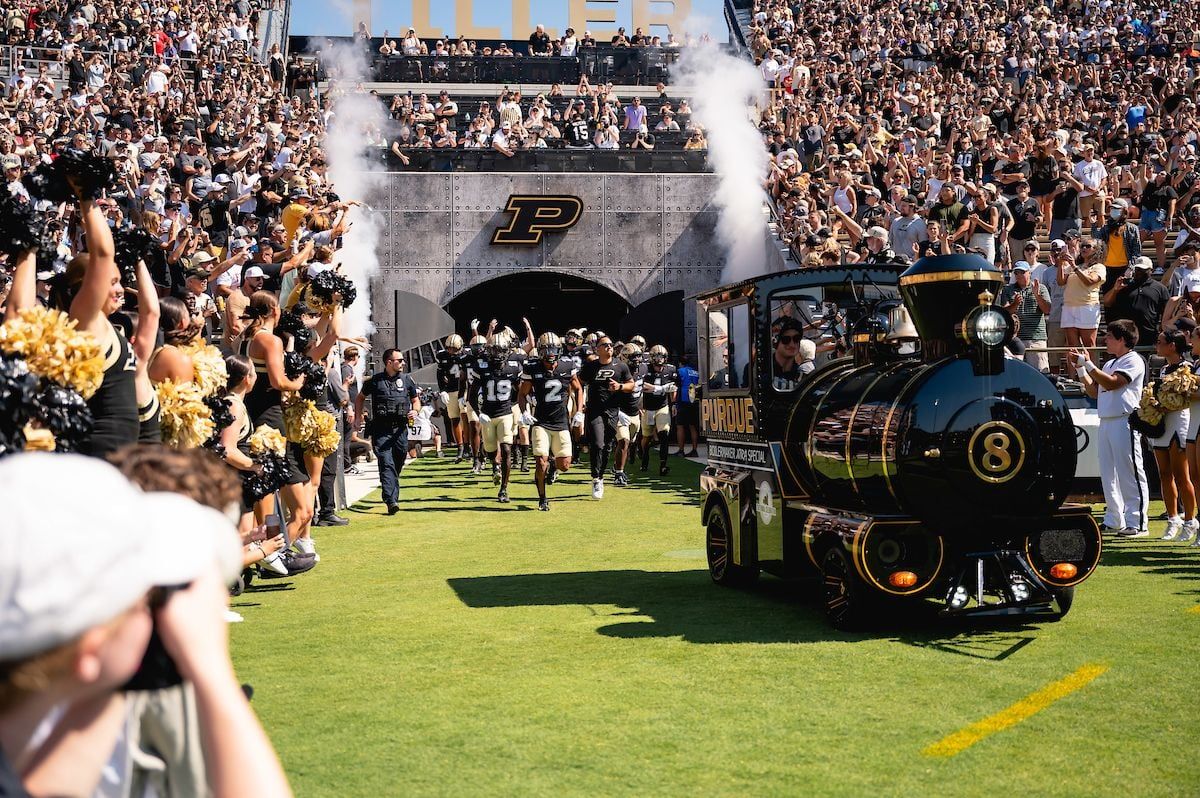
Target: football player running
474	365
494	399
554	384
577	352
660	383
605	379
449	371
629	414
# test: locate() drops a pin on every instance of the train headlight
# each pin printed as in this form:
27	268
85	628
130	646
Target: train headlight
990	328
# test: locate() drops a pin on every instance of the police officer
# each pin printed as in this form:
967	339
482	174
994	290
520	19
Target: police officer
394	404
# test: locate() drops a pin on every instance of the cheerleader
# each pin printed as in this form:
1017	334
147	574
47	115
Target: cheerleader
326	332
236	440
264	405
1170	449
94	284
169	361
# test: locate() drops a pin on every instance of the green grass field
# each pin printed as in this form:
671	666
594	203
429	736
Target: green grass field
464	647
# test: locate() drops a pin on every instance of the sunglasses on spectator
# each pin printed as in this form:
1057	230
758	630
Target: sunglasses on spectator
789	339
1086	246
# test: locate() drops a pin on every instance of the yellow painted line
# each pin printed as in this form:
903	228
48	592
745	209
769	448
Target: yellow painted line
1025	708
1195	610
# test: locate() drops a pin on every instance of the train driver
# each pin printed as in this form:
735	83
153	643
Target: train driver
786	371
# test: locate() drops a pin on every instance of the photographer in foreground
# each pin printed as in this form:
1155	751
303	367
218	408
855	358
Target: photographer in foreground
72	633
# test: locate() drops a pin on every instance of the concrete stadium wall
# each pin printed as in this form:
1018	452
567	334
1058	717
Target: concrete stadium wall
639	235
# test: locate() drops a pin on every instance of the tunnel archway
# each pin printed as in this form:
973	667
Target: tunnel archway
551	301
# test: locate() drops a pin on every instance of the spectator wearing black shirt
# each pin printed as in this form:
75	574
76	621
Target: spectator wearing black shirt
1027	214
539	41
1158	203
577	131
1064	201
1137	298
1011	171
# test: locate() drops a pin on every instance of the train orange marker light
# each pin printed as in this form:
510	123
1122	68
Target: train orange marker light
902	579
1063	570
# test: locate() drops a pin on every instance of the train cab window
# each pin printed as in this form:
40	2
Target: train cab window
795	319
727	344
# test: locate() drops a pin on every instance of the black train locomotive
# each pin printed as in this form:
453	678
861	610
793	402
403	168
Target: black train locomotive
918	463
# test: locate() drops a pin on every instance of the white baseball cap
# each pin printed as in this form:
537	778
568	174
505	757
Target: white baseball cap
69	566
1141	263
254	271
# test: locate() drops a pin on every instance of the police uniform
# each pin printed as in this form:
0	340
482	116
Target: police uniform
1126	494
391	400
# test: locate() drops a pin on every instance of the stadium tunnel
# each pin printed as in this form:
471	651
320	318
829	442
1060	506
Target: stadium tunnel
549	300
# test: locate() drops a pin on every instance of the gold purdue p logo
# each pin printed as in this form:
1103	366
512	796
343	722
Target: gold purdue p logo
534	215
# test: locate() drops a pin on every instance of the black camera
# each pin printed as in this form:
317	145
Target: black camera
157	670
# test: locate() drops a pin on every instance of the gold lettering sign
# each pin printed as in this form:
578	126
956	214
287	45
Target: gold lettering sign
731	416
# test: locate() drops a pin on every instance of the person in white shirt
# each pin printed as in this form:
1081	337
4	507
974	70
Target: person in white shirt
1117	388
1091	172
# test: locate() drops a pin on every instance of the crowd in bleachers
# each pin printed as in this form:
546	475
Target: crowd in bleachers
1087	103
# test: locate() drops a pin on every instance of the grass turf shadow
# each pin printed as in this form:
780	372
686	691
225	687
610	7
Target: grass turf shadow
686	604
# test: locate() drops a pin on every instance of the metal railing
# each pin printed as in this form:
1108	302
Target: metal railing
547	160
55	60
628	65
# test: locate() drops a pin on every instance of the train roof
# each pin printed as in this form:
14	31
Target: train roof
879	273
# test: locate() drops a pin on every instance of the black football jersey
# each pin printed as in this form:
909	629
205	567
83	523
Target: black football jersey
595	376
474	367
498	390
664	376
631	403
551	388
448	371
579	355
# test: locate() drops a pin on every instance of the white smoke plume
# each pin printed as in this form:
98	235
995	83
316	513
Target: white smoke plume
356	126
723	89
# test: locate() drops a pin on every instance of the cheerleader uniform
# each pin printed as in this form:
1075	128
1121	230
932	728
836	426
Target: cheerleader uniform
264	405
1177	423
149	421
243	445
114	405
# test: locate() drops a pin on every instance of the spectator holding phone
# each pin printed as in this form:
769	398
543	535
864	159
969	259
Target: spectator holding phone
1081	290
1139	299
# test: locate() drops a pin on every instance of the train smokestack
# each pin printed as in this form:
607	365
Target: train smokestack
940	293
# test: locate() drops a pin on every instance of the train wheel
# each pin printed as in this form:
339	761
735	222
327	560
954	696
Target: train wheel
718	545
1064	598
844	593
